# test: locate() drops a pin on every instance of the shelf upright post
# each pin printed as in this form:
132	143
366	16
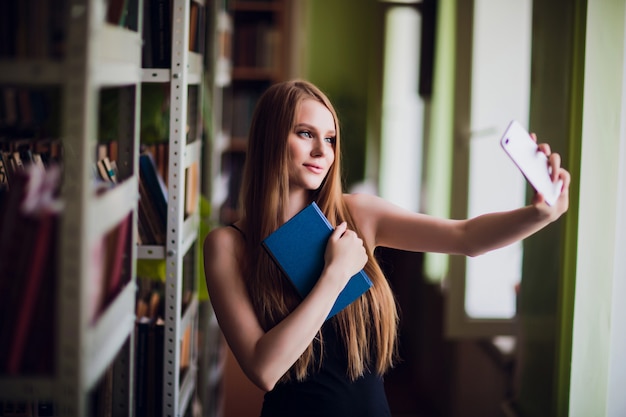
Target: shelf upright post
79	121
128	157
176	212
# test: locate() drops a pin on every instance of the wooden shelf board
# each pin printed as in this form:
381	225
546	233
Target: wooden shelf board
255	6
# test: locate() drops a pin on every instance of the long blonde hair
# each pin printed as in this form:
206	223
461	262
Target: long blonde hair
368	327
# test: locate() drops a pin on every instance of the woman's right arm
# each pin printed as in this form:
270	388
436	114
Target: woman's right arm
266	356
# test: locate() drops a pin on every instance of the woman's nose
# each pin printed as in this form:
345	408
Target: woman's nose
317	147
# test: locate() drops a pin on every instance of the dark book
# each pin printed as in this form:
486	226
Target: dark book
32	286
161	33
131	20
155	358
298	248
193	26
152	227
157	191
14	241
159	358
43	332
146	34
116	12
142	328
27	237
117	254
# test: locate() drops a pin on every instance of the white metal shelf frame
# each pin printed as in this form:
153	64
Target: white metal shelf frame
176	396
84	350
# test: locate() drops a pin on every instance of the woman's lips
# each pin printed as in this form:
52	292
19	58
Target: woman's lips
314	168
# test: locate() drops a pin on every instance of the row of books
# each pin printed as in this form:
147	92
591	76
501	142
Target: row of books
33	29
110	267
153	193
28	112
36	29
17	154
149	344
26	409
157	24
257	45
29	214
240	111
149	347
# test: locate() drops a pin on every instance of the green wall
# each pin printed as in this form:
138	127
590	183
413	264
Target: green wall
343	42
543	279
566	299
597	251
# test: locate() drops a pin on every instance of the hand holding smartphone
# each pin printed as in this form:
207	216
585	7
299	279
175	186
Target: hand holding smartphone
522	149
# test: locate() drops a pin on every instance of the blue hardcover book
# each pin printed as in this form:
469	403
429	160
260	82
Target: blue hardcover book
298	247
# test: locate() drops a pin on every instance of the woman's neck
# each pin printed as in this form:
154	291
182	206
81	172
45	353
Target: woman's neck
297	201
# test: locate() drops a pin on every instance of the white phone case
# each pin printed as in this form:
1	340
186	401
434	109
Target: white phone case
522	149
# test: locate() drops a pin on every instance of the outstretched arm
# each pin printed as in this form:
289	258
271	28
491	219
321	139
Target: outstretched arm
384	224
266	356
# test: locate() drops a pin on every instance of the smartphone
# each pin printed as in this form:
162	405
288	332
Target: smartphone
522	149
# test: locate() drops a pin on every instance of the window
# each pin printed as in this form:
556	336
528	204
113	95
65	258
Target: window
495	78
402	109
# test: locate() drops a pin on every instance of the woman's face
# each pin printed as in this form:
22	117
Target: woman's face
311	146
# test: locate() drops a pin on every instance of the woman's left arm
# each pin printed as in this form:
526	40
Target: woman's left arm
384	224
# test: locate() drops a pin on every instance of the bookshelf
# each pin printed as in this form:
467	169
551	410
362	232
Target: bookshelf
82	53
179	73
250	52
219	73
260	51
93	56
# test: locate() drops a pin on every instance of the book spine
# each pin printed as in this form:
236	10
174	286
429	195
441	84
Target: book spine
322	216
33	280
117	272
141	368
149	174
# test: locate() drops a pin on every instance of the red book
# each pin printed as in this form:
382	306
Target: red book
119	242
38	264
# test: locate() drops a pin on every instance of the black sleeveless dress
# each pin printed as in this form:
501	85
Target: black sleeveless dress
329	392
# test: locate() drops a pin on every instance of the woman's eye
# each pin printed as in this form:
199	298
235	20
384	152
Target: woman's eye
330	140
305	134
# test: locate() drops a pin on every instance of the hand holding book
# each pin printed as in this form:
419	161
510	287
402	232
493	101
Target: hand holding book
299	248
345	252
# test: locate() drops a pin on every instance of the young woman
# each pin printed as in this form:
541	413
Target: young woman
309	366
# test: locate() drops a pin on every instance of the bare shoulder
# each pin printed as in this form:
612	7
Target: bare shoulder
368	206
223	248
366	211
358	202
221	239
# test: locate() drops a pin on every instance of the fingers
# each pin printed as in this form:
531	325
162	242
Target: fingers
566	177
345	252
344	237
556	173
545	148
339	231
555	164
554	159
538	198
